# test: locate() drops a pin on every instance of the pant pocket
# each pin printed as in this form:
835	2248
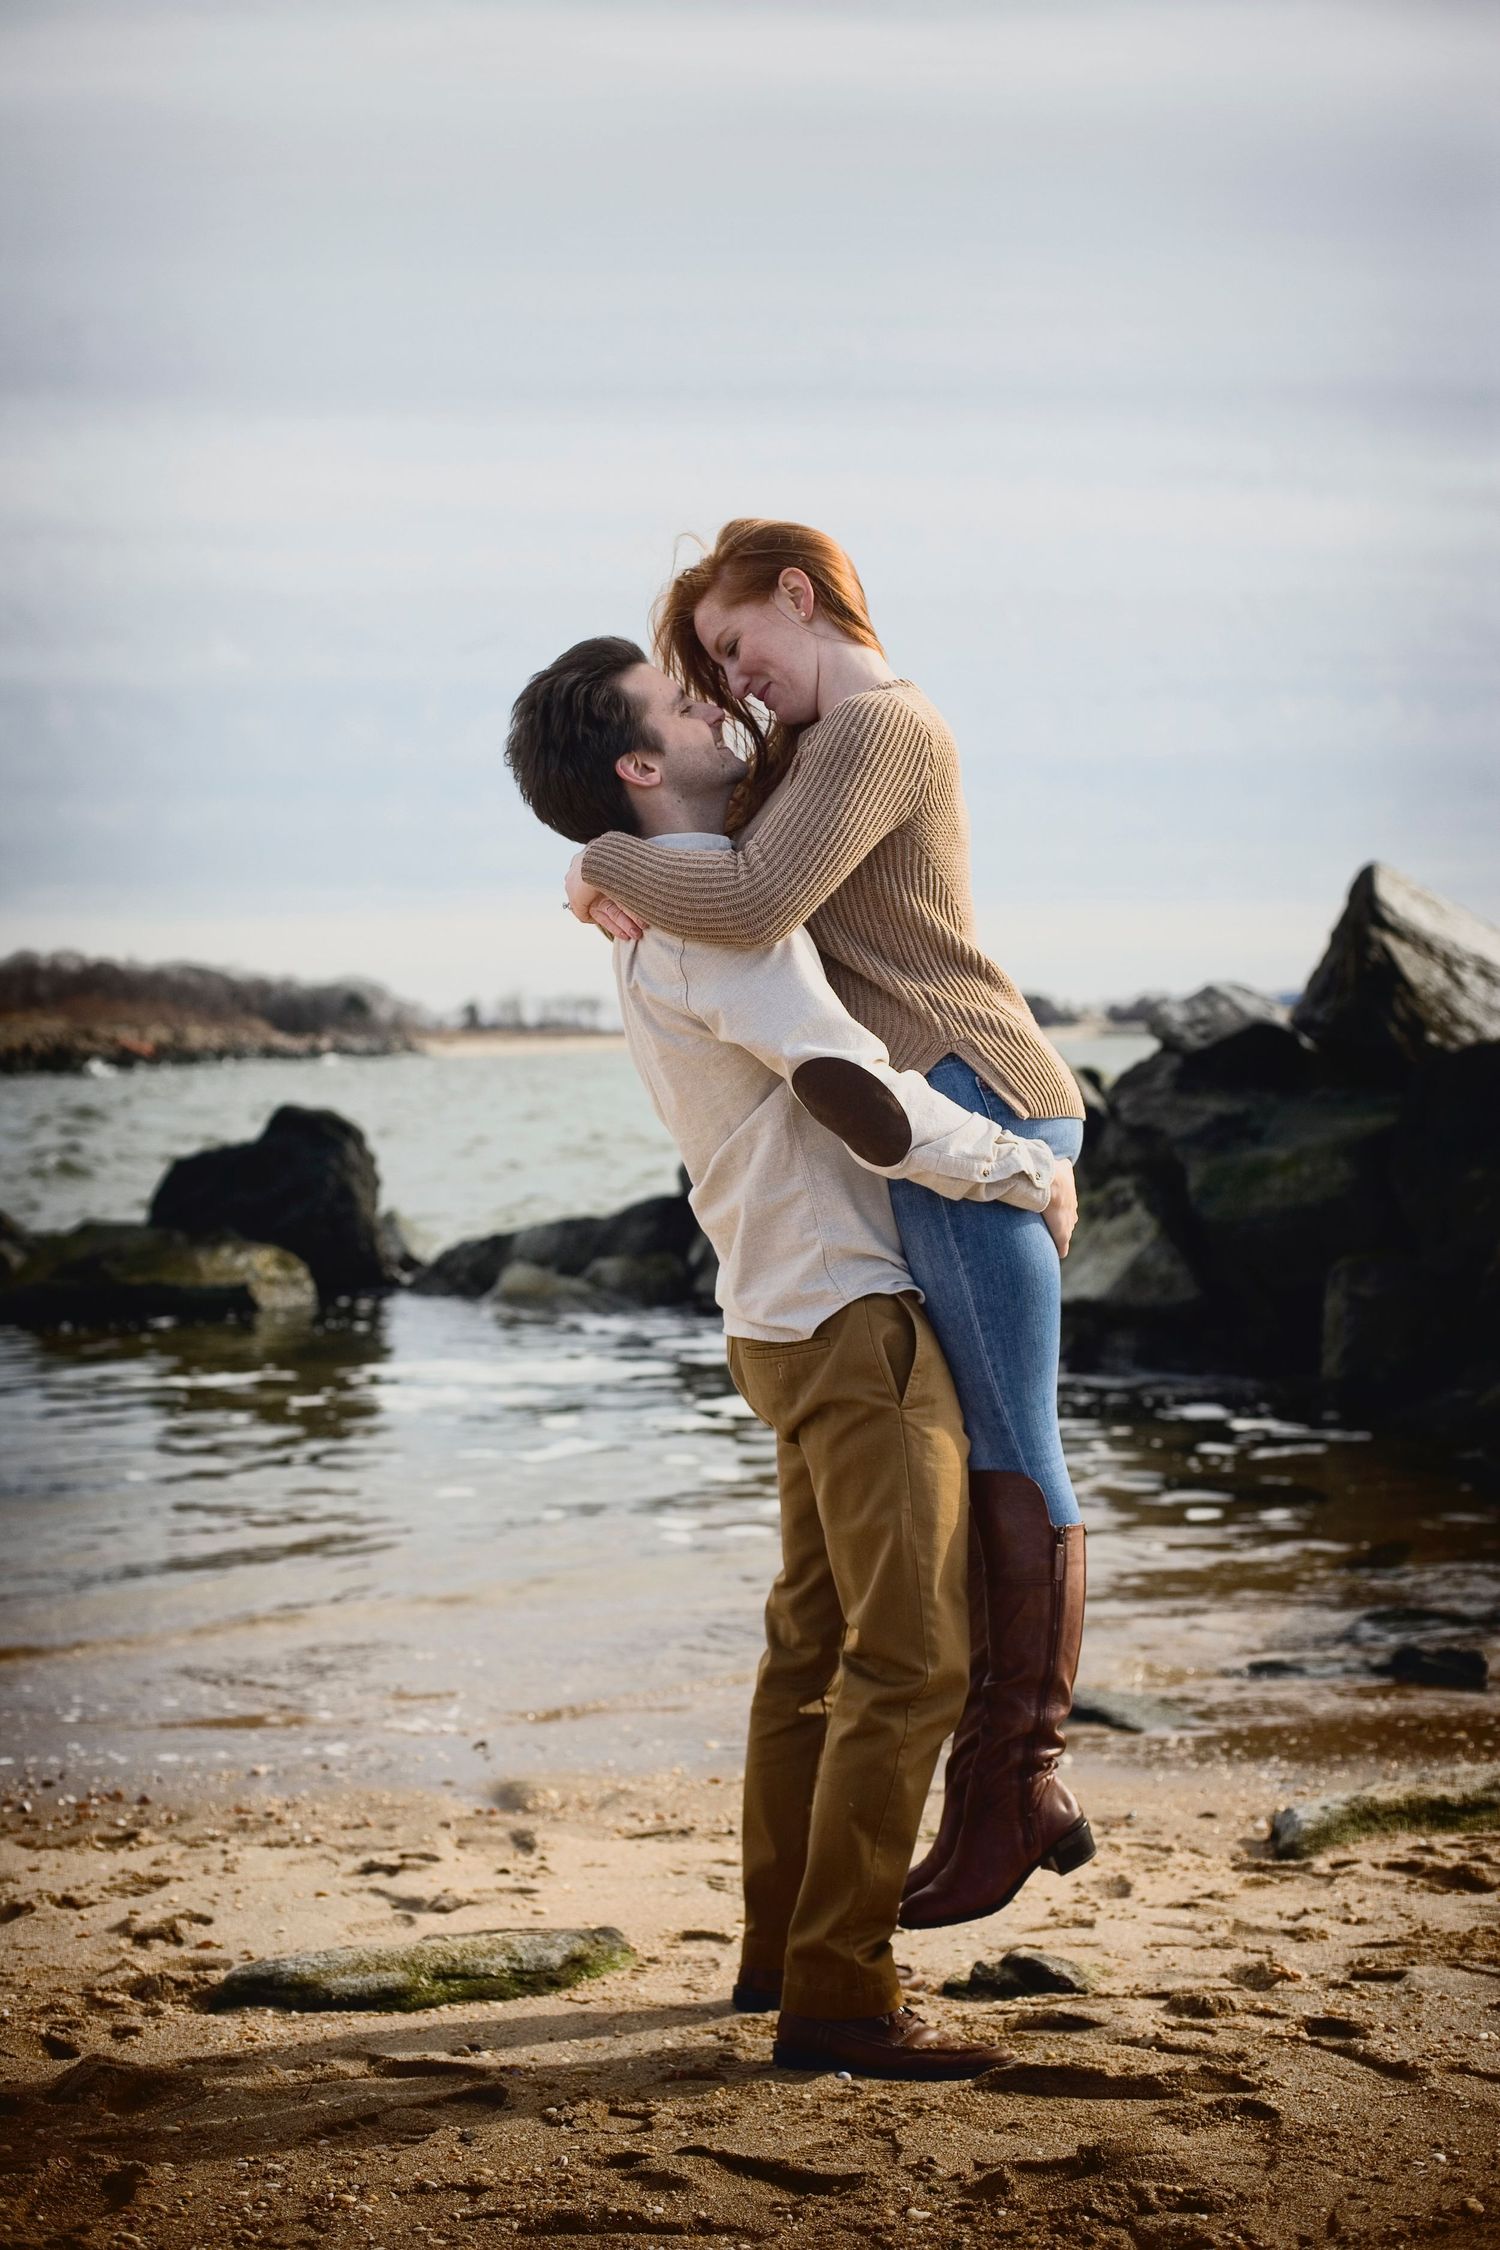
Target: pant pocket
896	1333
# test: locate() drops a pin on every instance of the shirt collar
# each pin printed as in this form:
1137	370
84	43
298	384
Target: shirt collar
695	840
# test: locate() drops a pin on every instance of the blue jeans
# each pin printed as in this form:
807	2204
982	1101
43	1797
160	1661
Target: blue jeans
992	1279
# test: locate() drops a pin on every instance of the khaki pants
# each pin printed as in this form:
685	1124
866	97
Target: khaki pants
866	1661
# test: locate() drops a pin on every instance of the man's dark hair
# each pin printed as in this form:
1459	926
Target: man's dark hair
568	725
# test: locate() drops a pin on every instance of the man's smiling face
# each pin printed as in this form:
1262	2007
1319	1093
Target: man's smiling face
686	736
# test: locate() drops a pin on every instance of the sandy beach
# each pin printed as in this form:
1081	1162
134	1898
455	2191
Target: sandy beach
1266	2052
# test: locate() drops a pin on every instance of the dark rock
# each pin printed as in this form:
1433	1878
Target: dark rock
1299	1183
1216	1012
1405	972
1384	1325
1128	1712
308	1184
661	1226
560	1245
430	1973
1236	1037
15	1244
1017	1974
1094	1088
1399	1621
1259	1193
1122	1260
703	1272
656	1278
106	1276
466	1269
1416	1666
1451	1198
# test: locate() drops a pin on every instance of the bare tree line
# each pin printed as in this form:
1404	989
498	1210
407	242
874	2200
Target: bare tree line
42	983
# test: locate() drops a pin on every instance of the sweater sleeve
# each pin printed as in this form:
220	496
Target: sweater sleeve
780	1007
860	778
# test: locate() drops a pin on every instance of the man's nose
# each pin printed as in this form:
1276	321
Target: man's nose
711	712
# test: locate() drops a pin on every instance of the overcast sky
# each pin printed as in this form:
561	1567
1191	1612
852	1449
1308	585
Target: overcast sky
356	358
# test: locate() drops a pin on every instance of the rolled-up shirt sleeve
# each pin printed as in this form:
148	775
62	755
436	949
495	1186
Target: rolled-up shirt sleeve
778	1004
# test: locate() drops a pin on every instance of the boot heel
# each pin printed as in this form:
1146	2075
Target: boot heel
1072	1850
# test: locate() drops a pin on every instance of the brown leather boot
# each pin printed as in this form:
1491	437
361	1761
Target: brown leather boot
899	2045
1017	1815
966	1733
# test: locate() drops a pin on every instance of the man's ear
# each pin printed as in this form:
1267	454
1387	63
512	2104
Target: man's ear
639	769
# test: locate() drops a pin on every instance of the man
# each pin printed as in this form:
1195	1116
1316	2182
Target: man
790	1119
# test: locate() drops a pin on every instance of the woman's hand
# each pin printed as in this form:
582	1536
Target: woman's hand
1061	1213
591	905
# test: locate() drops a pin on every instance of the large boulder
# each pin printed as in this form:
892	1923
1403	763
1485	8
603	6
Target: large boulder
308	1184
1405	973
640	1254
467	1269
654	1278
661	1226
106	1276
563	1246
1235	1035
1217	1011
1384	1328
1448	1181
1306	1180
1251	1192
15	1244
1122	1255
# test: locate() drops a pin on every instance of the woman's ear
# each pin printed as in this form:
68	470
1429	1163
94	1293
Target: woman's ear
798	594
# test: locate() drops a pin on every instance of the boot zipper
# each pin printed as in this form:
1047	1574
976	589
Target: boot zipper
1044	1685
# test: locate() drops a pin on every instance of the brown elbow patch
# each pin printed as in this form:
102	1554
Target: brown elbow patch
852	1103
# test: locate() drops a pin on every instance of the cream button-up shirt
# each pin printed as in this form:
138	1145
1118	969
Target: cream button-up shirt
801	1225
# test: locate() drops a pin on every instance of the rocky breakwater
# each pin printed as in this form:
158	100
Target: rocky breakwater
1312	1194
282	1224
650	1253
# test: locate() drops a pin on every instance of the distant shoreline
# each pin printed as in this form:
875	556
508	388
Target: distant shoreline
515	1042
50	1045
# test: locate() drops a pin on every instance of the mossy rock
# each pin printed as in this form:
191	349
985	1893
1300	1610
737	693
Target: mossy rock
1469	1801
430	1973
108	1276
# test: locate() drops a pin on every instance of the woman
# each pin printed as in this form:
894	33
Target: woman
851	820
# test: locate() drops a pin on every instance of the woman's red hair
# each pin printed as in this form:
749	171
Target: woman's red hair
745	563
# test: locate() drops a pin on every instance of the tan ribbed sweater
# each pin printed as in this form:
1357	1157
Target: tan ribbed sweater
867	842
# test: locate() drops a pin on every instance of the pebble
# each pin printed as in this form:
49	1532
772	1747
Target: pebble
844	2077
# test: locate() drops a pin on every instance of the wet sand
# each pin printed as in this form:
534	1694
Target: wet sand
1270	2053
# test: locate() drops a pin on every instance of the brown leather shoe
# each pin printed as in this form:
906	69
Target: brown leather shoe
899	2045
1017	1815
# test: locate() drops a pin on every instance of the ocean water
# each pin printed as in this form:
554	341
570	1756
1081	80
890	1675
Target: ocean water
443	1540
